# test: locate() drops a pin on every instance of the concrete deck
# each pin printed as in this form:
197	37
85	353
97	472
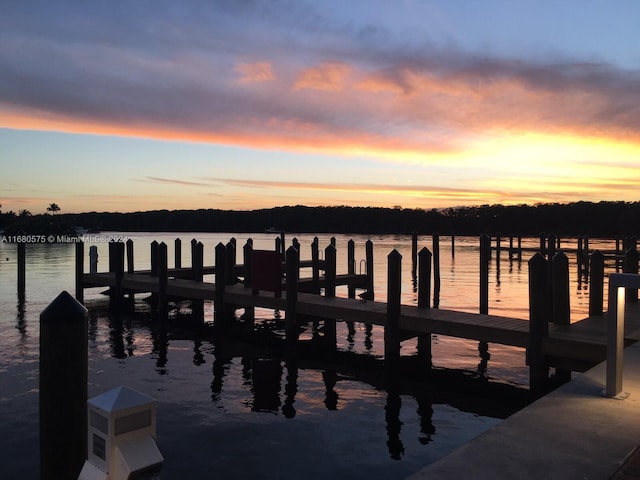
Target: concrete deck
572	433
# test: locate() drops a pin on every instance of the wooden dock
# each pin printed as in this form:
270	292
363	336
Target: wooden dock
549	341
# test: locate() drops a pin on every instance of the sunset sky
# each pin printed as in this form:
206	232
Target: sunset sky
244	104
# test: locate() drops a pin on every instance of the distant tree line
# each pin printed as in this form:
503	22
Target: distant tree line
603	219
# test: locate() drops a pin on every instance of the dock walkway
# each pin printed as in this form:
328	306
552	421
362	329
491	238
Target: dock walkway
578	346
571	433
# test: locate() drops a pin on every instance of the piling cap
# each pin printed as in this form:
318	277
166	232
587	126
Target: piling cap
121	398
64	309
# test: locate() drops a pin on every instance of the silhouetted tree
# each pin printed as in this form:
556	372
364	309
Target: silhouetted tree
53	208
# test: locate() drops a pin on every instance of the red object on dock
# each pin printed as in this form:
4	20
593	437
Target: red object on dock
266	272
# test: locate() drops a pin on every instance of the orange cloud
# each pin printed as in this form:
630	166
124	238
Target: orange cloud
256	72
328	76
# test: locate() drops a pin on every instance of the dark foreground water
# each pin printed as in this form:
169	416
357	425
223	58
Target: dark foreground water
234	408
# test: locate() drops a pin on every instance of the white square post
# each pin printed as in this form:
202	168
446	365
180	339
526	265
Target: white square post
121	436
615	331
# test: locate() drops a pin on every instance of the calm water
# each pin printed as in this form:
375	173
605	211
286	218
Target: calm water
236	409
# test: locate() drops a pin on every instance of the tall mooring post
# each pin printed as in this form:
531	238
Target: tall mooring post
163	279
485	259
351	266
63	388
560	301
539	315
392	327
177	253
220	281
79	271
436	270
292	267
116	266
414	252
22	257
596	283
631	266
197	274
130	259
330	292
369	262
315	265
424	298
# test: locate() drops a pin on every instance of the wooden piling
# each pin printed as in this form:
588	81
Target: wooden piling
220	282
436	270
424	278
485	258
22	260
230	263
63	388
351	267
93	259
631	266
424	297
163	278
193	243
551	246
197	272
519	248
330	292
154	258
233	242
596	283
539	315
247	254
369	261
129	256
116	266
414	252
292	267
197	261
177	253
392	328
79	271
560	289
315	268
561	309
249	315
543	244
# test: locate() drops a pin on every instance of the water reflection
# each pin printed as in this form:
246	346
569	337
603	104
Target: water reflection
221	364
330	378
160	345
393	424
483	351
290	390
21	325
266	376
351	333
198	356
425	416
